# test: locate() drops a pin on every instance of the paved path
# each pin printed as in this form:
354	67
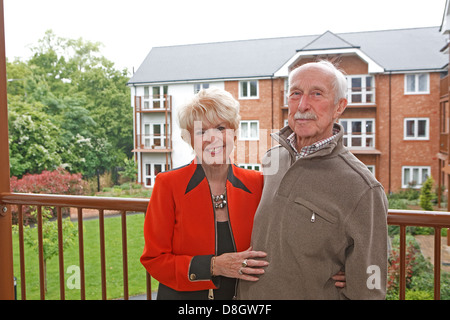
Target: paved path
426	244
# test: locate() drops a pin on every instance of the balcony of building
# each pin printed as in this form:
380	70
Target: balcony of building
153	103
153	143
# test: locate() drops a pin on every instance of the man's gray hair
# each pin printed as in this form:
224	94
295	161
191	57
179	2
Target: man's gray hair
340	81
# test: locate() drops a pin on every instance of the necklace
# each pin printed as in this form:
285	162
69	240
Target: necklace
220	200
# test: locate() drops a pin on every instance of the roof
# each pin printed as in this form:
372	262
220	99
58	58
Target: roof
394	50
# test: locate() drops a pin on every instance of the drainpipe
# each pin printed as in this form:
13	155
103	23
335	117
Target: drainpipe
6	254
390	130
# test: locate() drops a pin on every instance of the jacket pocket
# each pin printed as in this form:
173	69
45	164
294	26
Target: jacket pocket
315	210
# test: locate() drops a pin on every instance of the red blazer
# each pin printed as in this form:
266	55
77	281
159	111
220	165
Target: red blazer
179	228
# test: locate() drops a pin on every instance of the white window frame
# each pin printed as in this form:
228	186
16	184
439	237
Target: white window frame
416	83
364	135
247	84
201	86
248	136
416	129
149	98
286	92
149	137
411	169
152	175
364	90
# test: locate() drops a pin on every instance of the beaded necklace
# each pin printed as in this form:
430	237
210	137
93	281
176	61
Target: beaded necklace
220	201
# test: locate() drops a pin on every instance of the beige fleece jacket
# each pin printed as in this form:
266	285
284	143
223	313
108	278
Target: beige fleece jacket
320	214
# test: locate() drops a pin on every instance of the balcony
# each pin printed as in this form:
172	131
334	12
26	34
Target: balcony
153	143
402	218
361	97
153	103
443	143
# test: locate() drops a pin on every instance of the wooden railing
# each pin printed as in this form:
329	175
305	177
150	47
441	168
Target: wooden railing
436	220
79	202
402	218
156	142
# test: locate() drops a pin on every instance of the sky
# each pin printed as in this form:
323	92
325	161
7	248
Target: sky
129	29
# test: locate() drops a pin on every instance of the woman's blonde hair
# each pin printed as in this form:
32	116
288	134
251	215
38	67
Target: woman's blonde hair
211	105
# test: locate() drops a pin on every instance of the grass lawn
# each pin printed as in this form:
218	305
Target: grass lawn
114	273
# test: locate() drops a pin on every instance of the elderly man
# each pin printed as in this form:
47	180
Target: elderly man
322	211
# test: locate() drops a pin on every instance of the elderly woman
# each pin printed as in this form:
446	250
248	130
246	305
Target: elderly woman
199	220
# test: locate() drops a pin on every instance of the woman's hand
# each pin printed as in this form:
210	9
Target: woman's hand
240	265
340	279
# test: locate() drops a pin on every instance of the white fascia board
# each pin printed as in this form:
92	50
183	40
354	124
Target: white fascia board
211	80
373	66
445	27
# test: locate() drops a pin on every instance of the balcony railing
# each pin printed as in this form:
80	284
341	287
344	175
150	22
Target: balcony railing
79	202
156	142
153	103
402	218
443	142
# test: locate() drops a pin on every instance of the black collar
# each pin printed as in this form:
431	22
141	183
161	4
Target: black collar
199	175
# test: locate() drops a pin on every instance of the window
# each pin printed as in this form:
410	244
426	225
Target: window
249	130
414	177
416	128
154	136
248	89
250	166
371	168
286	91
417	83
151	170
359	133
200	86
361	89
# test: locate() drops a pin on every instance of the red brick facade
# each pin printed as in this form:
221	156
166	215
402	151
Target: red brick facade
391	153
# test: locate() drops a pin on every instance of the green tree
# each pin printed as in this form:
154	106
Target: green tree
50	243
130	170
80	101
33	140
426	195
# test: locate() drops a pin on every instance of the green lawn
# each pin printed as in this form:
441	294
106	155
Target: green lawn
114	273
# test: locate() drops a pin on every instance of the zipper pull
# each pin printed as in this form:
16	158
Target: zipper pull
211	294
313	217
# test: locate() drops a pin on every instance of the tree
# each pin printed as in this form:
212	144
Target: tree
50	237
33	140
77	105
425	194
130	170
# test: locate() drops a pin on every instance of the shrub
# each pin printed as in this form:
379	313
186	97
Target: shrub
426	195
418	295
59	181
394	266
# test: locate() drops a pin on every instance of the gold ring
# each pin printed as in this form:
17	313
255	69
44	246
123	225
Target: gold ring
244	263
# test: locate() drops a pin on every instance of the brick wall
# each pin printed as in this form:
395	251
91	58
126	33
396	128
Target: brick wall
392	106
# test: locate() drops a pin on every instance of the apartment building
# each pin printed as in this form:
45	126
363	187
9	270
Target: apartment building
391	122
443	177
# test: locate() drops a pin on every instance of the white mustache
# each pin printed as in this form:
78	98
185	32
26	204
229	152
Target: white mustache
305	116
